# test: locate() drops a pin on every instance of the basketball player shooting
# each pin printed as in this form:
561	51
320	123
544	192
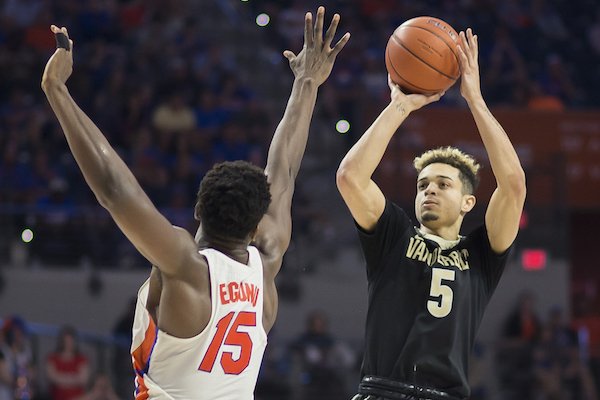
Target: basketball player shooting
428	285
213	299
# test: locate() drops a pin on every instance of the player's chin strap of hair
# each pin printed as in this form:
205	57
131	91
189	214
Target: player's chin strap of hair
62	41
390	389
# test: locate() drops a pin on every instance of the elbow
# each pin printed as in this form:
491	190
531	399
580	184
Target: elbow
518	185
51	86
107	198
112	193
48	84
348	182
344	178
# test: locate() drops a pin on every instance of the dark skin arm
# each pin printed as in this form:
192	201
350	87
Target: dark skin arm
311	68
173	250
112	182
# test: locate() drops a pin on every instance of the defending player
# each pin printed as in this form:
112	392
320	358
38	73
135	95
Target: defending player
211	300
429	286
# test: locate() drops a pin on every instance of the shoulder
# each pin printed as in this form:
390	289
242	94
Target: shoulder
393	218
271	264
479	239
194	271
477	234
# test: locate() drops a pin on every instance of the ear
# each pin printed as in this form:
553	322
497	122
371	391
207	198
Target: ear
198	233
468	202
253	234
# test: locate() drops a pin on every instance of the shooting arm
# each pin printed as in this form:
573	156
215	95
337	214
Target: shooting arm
361	194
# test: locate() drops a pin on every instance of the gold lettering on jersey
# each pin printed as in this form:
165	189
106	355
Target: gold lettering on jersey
417	250
233	292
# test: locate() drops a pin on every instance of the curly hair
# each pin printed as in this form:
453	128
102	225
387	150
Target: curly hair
466	165
232	199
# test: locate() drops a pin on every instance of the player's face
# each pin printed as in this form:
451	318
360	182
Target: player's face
440	201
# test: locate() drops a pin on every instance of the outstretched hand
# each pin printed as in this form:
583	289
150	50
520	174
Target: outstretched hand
468	51
59	67
406	103
317	57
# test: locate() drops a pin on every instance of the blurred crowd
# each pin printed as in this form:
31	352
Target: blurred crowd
556	357
533	53
169	96
532	357
166	97
67	370
313	365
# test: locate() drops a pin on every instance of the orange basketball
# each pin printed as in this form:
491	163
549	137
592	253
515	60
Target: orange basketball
421	56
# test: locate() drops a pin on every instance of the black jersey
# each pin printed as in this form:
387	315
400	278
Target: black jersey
425	303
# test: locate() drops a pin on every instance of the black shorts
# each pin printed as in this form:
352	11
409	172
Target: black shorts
371	397
378	388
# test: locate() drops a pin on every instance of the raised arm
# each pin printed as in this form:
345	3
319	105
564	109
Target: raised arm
361	194
506	205
311	68
112	182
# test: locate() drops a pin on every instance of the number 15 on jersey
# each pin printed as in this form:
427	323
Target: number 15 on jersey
228	334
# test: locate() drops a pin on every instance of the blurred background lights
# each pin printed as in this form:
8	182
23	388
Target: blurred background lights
342	126
27	235
262	19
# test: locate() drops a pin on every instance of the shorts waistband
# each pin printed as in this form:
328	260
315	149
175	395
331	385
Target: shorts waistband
395	390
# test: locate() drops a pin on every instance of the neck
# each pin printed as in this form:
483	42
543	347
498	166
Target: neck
445	232
234	248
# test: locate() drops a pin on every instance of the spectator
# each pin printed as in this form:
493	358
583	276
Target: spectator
101	390
273	380
6	379
67	368
22	13
122	366
558	368
522	329
19	357
210	115
547	368
523	325
593	34
57	229
587	321
555	80
174	115
322	360
538	100
507	67
172	53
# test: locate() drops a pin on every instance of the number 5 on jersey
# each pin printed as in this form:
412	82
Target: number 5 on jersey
442	305
228	334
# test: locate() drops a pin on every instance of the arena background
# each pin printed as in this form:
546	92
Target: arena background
177	86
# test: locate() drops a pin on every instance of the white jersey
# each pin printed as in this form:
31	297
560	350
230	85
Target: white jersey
220	363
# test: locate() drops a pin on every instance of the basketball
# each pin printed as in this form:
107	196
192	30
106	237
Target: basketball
421	56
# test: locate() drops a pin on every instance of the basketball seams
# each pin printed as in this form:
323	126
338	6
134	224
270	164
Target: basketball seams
387	56
415	55
442	37
399	43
